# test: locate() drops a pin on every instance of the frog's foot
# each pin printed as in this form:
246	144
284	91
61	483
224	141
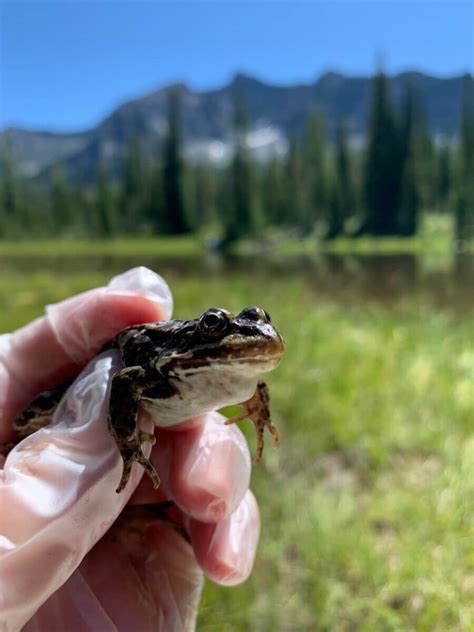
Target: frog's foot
257	409
131	451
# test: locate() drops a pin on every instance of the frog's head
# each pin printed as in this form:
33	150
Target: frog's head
249	342
214	360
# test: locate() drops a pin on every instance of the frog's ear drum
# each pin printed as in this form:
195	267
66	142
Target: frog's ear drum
214	322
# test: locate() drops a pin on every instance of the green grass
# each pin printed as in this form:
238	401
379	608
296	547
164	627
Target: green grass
367	508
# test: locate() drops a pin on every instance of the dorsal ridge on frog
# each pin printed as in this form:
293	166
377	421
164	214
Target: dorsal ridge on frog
181	368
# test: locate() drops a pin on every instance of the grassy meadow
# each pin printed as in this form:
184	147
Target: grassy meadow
367	508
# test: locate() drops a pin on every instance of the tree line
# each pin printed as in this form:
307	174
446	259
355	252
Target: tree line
326	189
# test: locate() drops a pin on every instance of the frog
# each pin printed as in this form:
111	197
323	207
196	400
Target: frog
176	370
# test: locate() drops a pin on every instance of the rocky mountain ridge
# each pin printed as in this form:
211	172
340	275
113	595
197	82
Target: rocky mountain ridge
276	113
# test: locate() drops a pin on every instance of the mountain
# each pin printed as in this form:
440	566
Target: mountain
275	113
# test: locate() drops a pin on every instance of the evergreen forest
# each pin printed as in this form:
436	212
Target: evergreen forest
318	188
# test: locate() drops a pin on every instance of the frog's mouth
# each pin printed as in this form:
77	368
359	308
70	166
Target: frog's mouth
260	353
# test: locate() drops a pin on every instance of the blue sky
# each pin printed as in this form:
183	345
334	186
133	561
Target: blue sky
66	64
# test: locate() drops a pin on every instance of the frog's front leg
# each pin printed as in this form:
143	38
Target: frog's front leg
125	393
257	408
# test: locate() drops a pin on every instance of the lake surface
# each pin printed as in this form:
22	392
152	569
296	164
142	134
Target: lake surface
351	277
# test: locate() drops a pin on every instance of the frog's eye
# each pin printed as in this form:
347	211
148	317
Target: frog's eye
214	322
255	313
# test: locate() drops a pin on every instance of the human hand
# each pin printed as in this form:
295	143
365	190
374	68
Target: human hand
65	562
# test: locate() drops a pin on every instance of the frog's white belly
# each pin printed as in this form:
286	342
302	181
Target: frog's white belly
202	390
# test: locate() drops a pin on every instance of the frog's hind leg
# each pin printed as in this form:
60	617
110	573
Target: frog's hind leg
38	414
123	408
257	408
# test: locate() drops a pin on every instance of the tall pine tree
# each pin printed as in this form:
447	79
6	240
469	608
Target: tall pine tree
443	176
315	181
342	196
203	193
408	205
131	203
10	196
62	213
295	200
155	205
464	209
239	219
174	201
106	211
274	192
382	165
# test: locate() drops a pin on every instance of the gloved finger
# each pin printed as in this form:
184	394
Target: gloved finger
150	580
226	551
204	468
57	494
56	346
131	580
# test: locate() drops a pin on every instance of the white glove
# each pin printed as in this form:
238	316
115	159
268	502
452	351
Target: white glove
64	564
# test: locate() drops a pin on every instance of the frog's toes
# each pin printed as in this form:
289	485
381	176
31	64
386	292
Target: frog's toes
257	409
131	453
146	437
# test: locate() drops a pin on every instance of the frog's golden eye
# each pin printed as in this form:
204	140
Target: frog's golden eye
214	322
256	314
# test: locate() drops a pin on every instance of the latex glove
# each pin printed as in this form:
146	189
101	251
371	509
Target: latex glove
57	490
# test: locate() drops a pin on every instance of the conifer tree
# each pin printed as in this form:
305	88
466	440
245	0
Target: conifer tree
131	194
239	219
174	203
315	184
8	196
382	164
15	216
295	198
106	212
155	205
464	210
61	203
409	200
335	219
203	189
443	176
425	162
408	204
274	193
342	194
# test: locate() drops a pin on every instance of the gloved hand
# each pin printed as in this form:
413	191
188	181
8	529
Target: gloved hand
64	564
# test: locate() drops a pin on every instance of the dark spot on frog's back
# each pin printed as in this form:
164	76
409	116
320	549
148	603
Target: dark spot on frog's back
137	349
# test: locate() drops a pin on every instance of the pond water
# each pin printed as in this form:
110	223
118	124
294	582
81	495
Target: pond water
357	276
